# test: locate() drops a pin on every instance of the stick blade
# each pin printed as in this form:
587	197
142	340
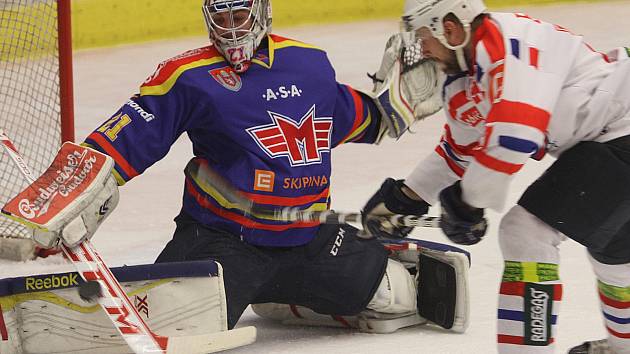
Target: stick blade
211	343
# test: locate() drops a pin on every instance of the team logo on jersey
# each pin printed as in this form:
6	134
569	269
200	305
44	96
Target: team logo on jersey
303	143
227	77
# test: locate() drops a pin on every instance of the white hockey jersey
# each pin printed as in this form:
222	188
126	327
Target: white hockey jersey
534	88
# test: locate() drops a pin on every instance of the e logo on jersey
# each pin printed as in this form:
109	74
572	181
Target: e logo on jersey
302	143
227	77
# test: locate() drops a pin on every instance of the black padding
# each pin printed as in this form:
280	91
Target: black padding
585	194
437	291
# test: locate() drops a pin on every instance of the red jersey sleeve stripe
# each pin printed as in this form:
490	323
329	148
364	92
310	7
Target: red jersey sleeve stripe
358	109
169	67
458	170
111	151
464	150
496	164
519	113
492	40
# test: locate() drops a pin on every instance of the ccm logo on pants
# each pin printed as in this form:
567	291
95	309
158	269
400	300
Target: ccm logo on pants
338	241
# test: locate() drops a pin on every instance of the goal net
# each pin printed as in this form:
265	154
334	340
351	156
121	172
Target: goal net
35	90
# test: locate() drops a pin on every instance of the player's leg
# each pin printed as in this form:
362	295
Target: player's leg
530	291
349	282
245	268
612	268
583	195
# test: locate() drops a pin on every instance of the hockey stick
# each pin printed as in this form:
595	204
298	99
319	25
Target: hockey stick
208	177
117	305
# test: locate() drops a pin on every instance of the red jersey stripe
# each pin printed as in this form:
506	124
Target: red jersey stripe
287	201
458	170
519	113
533	57
358	107
492	39
456	103
247	222
496	164
464	150
169	67
111	151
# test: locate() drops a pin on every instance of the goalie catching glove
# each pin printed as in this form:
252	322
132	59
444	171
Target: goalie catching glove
70	200
406	86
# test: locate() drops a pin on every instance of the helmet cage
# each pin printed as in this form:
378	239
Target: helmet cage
237	41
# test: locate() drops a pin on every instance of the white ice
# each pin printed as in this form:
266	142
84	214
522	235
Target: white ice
142	224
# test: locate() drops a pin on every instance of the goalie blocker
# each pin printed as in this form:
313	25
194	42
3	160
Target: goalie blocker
69	200
440	292
44	313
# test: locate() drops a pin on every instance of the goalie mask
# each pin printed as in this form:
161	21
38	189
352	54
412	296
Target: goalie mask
237	27
431	13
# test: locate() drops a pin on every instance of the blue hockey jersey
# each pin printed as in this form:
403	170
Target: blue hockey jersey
269	131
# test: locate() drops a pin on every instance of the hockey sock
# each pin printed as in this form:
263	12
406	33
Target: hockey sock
529	300
614	294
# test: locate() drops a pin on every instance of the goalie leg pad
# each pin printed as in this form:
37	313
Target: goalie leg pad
44	313
437	291
442	280
396	293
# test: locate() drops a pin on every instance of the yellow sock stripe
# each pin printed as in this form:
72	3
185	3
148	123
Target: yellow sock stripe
530	272
614	292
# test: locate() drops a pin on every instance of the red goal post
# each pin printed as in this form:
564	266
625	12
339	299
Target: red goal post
36	98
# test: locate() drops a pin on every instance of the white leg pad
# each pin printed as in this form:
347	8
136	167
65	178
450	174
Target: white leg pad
397	292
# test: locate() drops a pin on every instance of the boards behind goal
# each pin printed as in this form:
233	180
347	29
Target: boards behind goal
36	102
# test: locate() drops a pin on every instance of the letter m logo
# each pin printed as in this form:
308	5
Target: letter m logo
302	143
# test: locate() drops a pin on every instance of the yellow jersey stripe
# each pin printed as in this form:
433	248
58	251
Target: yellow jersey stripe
166	86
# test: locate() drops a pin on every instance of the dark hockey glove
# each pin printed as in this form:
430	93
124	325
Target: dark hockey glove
387	201
462	223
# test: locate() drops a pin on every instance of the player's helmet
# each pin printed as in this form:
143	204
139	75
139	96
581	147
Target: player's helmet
431	13
236	28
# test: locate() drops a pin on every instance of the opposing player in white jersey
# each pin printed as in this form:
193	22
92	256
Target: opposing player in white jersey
518	88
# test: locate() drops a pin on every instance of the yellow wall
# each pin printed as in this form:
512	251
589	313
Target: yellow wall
99	23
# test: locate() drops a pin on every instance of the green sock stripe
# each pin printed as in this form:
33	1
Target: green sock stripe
614	292
530	272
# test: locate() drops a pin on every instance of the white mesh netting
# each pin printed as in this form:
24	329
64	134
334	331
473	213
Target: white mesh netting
29	93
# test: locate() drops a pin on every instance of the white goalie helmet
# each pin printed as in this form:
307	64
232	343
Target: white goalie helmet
431	13
237	27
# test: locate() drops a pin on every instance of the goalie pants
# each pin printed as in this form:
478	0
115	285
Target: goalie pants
336	273
584	195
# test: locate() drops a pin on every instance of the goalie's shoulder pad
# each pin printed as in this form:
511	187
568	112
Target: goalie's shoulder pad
176	299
